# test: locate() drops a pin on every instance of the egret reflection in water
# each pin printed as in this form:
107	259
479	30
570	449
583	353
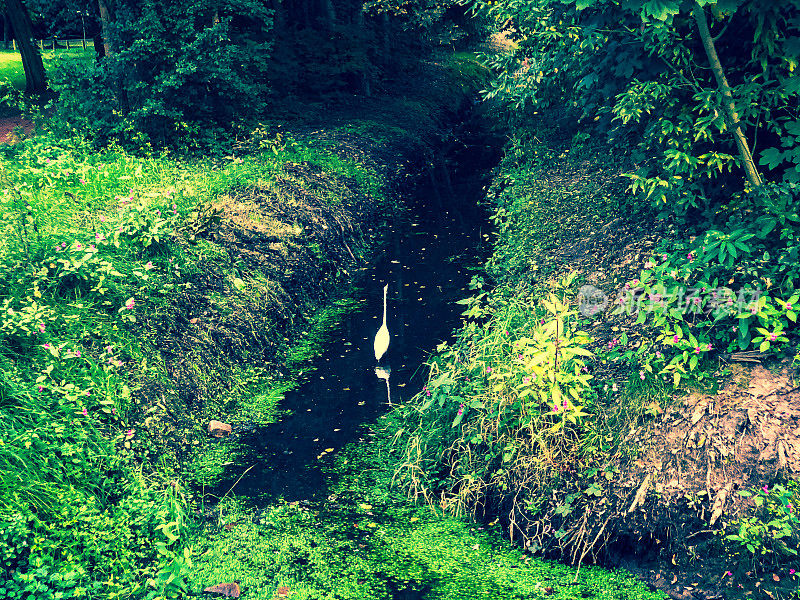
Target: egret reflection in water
383	373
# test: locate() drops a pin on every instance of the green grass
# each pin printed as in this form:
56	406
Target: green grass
94	245
11	63
368	543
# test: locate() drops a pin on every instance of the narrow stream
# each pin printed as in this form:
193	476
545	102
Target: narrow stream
427	266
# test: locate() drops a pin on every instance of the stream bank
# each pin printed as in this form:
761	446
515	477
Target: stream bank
310	511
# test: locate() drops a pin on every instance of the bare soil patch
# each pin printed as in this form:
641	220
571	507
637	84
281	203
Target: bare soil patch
10	128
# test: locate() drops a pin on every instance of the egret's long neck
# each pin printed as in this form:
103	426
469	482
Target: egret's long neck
384	304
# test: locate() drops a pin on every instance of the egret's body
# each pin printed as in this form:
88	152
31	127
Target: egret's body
381	344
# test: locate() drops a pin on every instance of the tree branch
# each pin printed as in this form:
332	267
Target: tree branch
728	105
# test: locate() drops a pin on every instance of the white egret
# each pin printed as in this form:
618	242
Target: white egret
381	343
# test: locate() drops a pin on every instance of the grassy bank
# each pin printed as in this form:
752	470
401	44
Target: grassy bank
590	430
141	298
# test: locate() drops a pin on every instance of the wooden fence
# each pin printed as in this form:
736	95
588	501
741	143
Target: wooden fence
54	44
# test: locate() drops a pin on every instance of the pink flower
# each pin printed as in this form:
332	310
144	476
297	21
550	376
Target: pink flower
113	410
641	375
98	236
130	304
773	337
526	380
41	327
40	388
727	574
792	571
77	353
103	218
46	346
87	393
697	350
78	245
149	265
83	181
63	245
488	369
690	257
129	434
658	354
85	412
675	339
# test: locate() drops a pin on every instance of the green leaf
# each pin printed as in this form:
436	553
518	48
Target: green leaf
661	10
772	157
584	4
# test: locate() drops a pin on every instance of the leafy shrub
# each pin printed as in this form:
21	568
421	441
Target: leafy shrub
775	528
500	411
173	74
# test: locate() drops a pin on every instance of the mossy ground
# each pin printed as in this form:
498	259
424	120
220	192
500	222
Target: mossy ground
368	542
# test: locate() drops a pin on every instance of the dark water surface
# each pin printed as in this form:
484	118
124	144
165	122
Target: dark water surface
427	264
427	268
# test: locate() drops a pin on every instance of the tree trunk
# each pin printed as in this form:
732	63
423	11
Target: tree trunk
729	107
328	15
99	48
105	26
6	31
35	80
